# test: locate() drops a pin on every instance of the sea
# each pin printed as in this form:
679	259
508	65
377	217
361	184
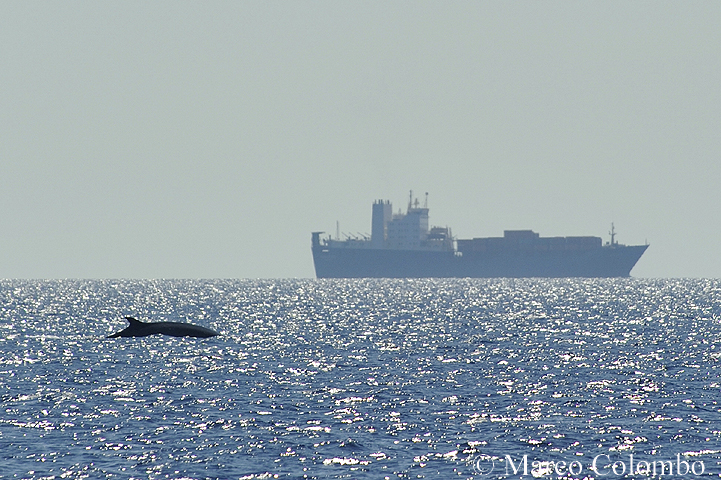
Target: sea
362	379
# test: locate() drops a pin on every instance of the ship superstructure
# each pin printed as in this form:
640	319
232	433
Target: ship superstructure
403	245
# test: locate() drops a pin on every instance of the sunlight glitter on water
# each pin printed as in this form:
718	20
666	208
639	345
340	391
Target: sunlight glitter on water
363	378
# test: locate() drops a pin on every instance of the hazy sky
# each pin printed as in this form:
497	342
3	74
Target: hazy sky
208	139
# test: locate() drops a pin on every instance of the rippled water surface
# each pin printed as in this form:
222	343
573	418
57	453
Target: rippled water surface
360	379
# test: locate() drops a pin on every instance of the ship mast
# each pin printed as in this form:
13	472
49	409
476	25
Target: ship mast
415	203
613	234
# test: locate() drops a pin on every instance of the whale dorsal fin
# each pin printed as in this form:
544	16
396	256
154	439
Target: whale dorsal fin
133	322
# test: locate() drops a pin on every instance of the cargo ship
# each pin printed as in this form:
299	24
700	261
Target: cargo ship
403	246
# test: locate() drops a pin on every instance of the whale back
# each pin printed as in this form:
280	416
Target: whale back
174	329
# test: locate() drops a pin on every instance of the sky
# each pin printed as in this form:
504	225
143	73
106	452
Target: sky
179	139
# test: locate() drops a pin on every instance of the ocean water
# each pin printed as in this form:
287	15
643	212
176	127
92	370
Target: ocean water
367	379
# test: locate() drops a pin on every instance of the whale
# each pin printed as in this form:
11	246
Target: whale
174	329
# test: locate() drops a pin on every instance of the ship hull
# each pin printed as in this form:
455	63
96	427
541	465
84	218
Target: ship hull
607	261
